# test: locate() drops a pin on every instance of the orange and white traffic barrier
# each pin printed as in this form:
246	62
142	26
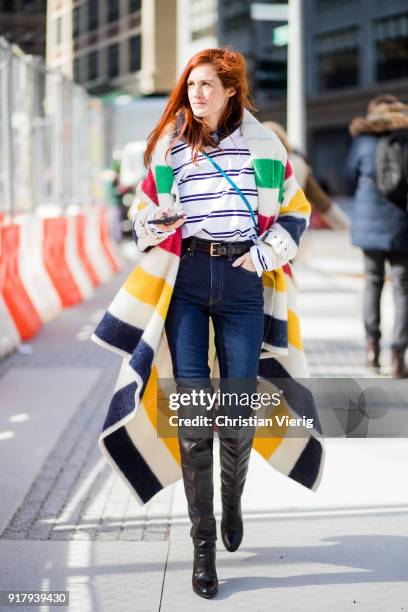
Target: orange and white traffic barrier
33	273
93	245
81	247
55	261
9	336
75	264
108	244
26	318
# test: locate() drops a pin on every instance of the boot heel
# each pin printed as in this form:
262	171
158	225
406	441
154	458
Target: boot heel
205	581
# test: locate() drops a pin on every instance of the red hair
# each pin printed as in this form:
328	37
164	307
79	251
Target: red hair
230	68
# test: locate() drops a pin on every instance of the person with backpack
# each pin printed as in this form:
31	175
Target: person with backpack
377	173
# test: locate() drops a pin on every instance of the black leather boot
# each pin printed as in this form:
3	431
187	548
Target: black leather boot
234	457
205	581
197	468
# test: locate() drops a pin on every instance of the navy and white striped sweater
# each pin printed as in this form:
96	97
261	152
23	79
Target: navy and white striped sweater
215	211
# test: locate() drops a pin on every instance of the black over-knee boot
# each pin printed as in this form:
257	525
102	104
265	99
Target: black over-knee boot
196	451
234	458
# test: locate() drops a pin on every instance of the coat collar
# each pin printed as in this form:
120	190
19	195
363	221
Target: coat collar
261	141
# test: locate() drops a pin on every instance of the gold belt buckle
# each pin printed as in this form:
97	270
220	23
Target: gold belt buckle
211	249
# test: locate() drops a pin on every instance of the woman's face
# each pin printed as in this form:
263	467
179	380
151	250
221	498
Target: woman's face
206	94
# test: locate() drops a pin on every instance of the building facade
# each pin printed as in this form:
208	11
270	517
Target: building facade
108	45
353	50
197	28
23	22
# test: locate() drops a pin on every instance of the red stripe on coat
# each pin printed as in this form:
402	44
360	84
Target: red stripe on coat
149	187
172	244
264	222
287	270
288	170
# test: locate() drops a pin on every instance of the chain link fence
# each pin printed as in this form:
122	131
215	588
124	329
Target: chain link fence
52	137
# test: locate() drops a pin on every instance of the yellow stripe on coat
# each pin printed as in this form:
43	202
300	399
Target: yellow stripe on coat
264	441
275	279
297	204
294	335
149	404
149	289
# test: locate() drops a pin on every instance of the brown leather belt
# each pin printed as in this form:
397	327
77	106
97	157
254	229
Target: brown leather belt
217	249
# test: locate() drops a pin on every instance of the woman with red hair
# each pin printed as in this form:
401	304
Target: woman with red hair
220	216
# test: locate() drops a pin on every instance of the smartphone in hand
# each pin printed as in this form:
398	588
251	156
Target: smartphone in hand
166	220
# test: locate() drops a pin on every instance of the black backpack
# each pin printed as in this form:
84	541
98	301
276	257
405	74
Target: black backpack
391	167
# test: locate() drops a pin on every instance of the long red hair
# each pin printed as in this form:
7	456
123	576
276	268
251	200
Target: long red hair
230	68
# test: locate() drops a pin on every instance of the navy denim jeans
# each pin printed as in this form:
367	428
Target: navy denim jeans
233	297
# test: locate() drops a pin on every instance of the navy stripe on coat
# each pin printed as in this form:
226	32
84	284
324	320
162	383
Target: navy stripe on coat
118	333
275	331
307	467
131	463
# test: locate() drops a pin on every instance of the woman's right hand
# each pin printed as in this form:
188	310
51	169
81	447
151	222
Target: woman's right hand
166	213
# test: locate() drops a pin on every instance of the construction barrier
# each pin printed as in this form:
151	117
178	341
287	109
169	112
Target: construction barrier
74	261
107	243
82	251
55	233
55	246
9	336
94	249
33	273
26	318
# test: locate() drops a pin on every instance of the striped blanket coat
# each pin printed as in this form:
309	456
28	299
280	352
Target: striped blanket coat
133	327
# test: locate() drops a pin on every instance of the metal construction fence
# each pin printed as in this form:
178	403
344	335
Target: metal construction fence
52	137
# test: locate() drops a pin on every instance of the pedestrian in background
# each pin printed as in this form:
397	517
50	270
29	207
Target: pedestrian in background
317	197
377	173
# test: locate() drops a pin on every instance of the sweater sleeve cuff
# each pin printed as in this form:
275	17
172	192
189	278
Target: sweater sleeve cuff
257	258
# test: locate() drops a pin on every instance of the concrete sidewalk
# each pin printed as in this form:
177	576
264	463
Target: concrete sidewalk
68	523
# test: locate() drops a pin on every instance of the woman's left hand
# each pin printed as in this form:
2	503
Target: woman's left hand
245	261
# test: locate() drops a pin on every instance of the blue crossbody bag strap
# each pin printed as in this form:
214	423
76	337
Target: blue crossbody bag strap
237	189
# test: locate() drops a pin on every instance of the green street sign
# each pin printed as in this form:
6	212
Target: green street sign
280	35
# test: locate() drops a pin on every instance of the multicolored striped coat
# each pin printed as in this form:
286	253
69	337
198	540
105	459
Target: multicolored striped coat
133	327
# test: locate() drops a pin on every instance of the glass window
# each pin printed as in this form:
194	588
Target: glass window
135	5
271	75
236	15
93	65
113	61
7	6
76	70
93	15
338	59
135	53
28	6
76	22
391	36
113	10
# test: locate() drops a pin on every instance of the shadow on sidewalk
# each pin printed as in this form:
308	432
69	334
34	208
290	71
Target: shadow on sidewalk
371	559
